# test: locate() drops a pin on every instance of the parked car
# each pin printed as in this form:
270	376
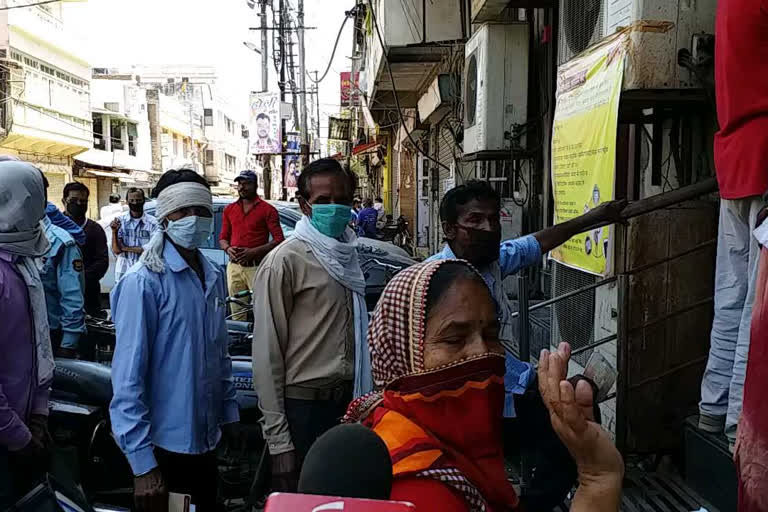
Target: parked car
379	260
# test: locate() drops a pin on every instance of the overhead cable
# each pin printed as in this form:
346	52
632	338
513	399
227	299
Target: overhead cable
9	7
348	15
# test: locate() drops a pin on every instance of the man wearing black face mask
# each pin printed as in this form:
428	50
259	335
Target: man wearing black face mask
131	232
95	256
470	215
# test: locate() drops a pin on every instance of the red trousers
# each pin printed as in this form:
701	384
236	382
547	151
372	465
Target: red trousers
751	454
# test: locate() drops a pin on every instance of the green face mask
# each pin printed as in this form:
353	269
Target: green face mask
330	219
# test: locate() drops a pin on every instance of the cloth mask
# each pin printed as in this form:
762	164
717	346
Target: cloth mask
76	210
483	246
190	232
330	219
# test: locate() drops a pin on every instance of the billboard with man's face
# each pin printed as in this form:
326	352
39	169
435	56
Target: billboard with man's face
265	123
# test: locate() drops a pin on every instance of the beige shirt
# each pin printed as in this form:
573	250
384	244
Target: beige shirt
303	333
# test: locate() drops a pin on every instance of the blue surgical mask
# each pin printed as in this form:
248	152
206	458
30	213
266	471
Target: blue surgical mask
190	232
330	219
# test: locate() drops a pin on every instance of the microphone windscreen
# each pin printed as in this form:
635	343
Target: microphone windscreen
350	461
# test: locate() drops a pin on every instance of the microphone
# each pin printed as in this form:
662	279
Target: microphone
349	461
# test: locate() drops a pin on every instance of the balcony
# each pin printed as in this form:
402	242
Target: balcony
414	35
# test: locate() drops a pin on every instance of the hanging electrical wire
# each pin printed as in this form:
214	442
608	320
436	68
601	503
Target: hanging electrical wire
9	7
347	15
394	91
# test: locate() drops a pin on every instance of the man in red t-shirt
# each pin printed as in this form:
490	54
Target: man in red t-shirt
246	226
741	160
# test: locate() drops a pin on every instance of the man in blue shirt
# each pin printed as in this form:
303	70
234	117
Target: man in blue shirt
131	231
471	219
171	373
63	282
366	220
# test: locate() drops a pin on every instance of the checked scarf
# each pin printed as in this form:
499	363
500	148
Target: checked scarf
441	423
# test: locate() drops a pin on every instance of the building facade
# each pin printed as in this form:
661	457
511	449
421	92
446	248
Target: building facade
45	83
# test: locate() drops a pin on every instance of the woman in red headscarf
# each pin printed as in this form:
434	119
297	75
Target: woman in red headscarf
437	358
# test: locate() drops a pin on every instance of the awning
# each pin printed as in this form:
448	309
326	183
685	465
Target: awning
112	113
364	149
107	174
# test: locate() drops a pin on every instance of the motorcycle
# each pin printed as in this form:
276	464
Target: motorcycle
397	233
80	426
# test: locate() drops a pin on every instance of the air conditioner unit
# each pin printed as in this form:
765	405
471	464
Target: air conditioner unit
495	85
660	29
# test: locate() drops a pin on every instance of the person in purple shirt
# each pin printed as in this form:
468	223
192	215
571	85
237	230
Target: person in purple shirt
26	366
366	220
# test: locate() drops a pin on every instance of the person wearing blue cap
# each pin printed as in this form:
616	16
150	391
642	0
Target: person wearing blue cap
246	228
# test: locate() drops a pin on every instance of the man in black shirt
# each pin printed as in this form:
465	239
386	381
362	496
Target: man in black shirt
95	256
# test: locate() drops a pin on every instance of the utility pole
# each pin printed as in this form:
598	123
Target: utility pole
317	103
281	40
266	164
352	92
303	88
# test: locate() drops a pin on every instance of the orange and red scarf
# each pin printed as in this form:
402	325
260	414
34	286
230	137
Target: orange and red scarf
443	423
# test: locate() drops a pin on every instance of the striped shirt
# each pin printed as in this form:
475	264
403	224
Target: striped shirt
133	233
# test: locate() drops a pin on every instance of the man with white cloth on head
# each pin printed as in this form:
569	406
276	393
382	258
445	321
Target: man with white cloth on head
26	364
310	323
173	393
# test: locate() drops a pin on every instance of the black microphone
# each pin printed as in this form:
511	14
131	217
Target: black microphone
349	461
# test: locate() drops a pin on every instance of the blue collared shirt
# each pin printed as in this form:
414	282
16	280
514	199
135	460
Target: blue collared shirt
513	255
171	371
63	282
133	233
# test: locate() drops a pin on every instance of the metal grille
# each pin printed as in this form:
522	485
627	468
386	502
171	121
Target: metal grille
656	492
573	318
581	25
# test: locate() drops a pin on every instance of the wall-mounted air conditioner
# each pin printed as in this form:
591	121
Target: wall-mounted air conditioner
495	85
659	29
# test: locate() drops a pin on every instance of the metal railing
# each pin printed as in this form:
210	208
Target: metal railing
623	280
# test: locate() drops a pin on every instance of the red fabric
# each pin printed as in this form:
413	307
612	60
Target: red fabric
428	495
251	229
752	443
741	87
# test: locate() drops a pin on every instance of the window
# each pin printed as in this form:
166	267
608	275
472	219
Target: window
208	157
132	136
175	145
99	141
185	148
231	163
208	116
116	129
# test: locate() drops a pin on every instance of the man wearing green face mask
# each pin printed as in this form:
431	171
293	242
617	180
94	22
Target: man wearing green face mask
309	339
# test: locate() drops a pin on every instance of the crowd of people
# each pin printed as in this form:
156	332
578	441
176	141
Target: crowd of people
427	372
435	331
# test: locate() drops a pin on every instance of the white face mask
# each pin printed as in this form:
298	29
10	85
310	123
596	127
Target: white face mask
378	206
190	232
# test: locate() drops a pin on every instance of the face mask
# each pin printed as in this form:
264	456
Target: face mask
378	206
483	248
136	207
76	210
330	219
190	232
469	417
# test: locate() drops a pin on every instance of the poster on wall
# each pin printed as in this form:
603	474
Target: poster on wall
292	162
265	123
348	89
584	148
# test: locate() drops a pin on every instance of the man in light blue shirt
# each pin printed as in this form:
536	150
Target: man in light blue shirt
131	231
471	220
171	372
63	282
